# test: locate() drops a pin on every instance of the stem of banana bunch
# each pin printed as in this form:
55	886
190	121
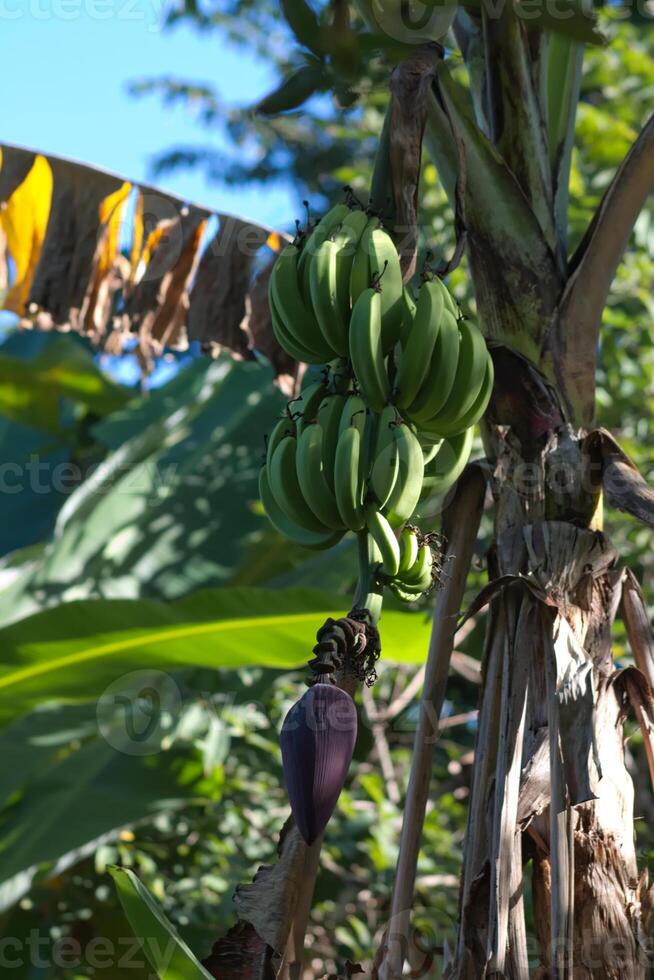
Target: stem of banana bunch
369	592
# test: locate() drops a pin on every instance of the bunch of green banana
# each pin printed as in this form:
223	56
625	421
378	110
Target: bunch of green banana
316	282
444	373
313	484
407	563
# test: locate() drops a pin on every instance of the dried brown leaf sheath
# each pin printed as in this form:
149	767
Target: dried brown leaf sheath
82	249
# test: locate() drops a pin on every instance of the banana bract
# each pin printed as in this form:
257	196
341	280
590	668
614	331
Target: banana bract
317	741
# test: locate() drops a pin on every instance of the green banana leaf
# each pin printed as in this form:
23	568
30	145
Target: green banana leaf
166	951
73	652
173	506
50	389
31	388
81	799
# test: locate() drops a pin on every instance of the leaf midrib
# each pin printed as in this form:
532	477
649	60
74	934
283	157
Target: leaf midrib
197	629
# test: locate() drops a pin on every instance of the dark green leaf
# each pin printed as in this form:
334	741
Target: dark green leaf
304	23
294	91
166	951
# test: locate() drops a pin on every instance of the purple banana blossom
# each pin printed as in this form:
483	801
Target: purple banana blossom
317	741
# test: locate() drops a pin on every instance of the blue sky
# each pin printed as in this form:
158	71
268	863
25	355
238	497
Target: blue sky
64	71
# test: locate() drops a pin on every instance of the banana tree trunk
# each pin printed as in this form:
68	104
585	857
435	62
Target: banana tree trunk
550	783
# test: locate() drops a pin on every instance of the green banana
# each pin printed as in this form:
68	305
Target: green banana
312	480
283	427
282	475
475	412
366	349
383	474
348	236
354	413
384	537
386	421
360	274
448	464
321	232
308	403
385	270
438	384
347	482
291	309
431	450
294	532
329	417
419	345
448	299
287	341
401	593
408	312
470	372
406	492
326	297
419	575
330	280
408	550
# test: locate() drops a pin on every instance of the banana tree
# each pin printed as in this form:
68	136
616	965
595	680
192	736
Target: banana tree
551	805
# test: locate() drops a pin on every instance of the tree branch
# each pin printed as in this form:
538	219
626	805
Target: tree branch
592	268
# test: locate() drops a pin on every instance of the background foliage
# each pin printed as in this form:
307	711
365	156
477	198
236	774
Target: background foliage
159	503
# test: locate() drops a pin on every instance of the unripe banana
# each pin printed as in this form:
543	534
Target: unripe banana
354	412
312	479
470	373
282	476
430	450
384	472
366	349
448	464
386	271
403	594
417	349
348	236
330	280
419	575
408	550
286	340
384	537
475	412
329	417
360	274
323	229
406	492
408	312
386	421
327	301
439	382
307	404
448	299
347	482
294	532
286	298
282	428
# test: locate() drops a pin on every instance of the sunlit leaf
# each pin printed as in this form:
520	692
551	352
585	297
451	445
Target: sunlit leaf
164	948
74	651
